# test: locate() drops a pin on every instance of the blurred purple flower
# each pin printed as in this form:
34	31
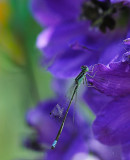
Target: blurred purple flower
76	140
69	27
72	139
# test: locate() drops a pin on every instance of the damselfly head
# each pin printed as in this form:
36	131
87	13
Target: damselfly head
85	68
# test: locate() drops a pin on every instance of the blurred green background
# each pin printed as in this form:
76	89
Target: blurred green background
22	80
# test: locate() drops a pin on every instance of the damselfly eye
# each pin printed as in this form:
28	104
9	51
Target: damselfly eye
83	67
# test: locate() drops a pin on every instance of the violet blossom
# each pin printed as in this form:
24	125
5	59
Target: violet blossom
112	109
57	41
86	33
76	140
46	129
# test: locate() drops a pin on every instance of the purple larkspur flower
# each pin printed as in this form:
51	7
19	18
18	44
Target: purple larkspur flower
113	80
89	33
72	139
111	105
59	41
51	13
69	59
76	140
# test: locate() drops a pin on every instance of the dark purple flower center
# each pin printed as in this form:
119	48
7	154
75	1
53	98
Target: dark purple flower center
101	13
32	143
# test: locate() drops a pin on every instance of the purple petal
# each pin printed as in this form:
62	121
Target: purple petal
60	48
126	57
44	37
127	41
113	80
103	151
125	2
51	13
112	125
77	145
47	128
43	14
112	53
64	36
126	151
38	119
68	65
61	37
96	100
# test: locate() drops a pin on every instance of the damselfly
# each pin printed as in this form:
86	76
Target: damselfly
78	80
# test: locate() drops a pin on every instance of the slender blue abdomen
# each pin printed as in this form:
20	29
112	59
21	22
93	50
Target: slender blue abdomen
54	144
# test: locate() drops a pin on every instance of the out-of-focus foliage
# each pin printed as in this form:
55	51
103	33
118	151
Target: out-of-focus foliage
22	81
